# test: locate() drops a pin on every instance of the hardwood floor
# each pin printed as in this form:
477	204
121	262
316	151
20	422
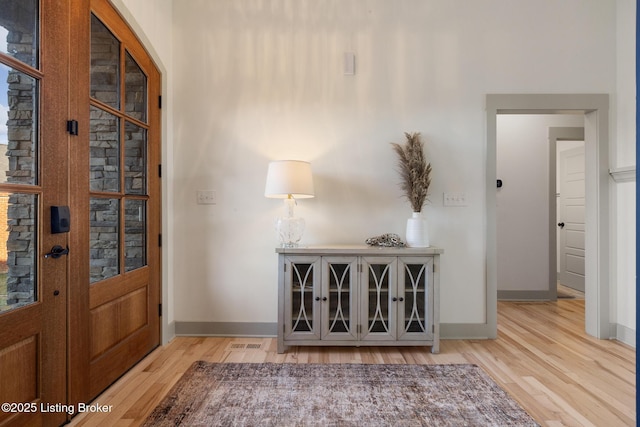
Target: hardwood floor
542	358
567	292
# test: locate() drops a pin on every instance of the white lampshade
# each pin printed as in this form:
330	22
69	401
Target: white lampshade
289	178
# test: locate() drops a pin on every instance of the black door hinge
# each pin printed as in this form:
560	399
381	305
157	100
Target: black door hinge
159	171
160	240
160	101
72	127
160	310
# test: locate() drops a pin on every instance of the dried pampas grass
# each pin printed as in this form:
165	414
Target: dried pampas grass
414	170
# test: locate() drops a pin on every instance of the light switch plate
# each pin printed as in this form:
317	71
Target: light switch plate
455	199
206	197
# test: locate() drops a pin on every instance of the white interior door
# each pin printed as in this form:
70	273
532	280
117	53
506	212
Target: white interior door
571	217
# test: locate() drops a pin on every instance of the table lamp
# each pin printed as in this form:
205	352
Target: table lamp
289	180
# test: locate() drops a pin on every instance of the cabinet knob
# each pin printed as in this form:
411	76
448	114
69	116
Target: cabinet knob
401	299
394	299
324	298
317	298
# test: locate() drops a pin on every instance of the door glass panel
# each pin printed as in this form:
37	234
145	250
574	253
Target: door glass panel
135	91
378	298
18	223
415	285
135	162
105	64
104	220
104	140
18	136
339	288
135	231
19	30
302	297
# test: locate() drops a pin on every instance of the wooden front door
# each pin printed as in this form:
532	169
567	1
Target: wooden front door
79	131
34	162
116	195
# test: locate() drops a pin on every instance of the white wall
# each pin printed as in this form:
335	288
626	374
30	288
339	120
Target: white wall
278	92
624	194
262	80
522	211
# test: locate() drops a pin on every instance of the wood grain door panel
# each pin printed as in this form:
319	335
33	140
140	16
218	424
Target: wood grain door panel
123	195
65	332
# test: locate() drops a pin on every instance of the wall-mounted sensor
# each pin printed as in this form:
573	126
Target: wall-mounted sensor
349	63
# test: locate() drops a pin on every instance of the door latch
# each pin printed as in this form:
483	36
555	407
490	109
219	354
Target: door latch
57	251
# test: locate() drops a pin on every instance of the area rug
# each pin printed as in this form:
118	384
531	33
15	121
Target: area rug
269	394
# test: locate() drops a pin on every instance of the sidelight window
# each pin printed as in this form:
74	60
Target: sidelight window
19	105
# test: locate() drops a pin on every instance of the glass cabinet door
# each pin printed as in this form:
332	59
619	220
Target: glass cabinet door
415	292
378	291
338	298
302	298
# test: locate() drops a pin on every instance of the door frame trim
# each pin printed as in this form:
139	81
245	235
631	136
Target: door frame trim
595	108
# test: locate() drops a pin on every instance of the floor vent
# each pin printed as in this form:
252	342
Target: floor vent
254	346
238	346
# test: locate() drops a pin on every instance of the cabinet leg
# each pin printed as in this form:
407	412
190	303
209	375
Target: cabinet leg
435	348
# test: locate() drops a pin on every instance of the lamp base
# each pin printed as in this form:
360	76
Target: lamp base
290	231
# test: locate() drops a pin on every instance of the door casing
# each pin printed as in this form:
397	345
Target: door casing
595	108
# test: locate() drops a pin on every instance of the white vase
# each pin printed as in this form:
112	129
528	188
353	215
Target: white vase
417	234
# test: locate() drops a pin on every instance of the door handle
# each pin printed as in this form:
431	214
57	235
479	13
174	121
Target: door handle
561	224
57	251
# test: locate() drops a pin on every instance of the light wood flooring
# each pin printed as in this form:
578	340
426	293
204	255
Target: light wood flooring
542	358
567	292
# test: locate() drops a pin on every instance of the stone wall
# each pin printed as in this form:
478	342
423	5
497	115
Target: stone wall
134	234
105	141
106	144
21	154
104	238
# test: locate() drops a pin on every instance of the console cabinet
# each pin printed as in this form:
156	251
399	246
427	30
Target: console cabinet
358	295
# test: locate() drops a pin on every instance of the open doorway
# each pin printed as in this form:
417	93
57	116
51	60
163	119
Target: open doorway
526	203
594	109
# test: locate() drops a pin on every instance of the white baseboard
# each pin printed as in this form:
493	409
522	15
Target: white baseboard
168	333
625	335
226	329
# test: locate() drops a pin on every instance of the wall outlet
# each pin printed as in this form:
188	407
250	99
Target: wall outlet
455	199
206	197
